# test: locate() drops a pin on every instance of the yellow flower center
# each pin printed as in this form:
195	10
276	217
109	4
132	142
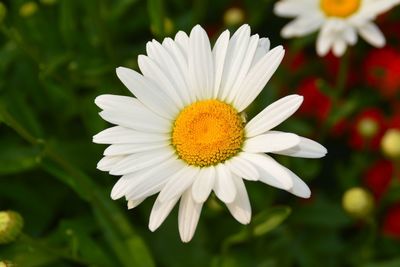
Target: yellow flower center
339	8
207	132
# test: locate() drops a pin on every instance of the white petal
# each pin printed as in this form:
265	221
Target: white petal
134	203
219	53
107	163
160	212
371	9
119	188
240	208
350	35
203	184
163	55
326	38
306	148
339	47
153	72
125	149
148	93
152	182
178	183
141	160
201	66
271	141
131	113
122	135
273	115
258	77
271	172
182	40
181	61
189	213
235	54
302	26
147	175
262	49
294	8
299	188
244	67
224	187
371	33
242	168
137	121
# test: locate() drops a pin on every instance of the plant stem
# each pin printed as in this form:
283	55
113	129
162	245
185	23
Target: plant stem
32	243
342	76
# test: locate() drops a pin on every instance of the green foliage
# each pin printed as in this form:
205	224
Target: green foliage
54	61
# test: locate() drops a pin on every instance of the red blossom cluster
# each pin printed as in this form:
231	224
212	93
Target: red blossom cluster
382	71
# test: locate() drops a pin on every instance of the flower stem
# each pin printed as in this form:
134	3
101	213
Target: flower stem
342	76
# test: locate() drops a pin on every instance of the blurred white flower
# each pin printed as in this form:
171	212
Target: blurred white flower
184	136
338	21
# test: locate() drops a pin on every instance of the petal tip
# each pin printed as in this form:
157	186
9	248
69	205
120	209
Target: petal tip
152	227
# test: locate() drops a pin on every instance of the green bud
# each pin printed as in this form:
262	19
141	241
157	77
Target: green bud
390	143
28	9
7	264
168	26
358	202
367	127
11	224
234	16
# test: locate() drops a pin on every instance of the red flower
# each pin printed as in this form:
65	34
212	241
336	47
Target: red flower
294	61
394	122
378	177
391	224
316	104
367	129
382	70
339	128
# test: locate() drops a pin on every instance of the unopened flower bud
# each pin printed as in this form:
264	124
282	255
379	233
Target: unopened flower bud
358	202
28	9
11	224
7	264
168	26
234	16
390	143
367	127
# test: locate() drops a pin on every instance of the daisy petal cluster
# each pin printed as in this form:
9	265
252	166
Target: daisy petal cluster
183	135
338	21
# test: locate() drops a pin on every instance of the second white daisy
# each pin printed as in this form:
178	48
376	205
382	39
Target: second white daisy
184	136
339	21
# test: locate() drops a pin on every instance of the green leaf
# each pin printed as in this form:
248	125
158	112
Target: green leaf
268	220
262	223
17	158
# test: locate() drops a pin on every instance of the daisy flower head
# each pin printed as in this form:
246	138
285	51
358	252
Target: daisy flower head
338	21
184	136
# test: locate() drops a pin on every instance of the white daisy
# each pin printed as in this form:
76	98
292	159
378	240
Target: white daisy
184	135
339	21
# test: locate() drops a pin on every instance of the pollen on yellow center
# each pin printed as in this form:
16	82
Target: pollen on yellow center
339	8
207	132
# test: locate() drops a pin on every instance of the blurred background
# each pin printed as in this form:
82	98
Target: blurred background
56	56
